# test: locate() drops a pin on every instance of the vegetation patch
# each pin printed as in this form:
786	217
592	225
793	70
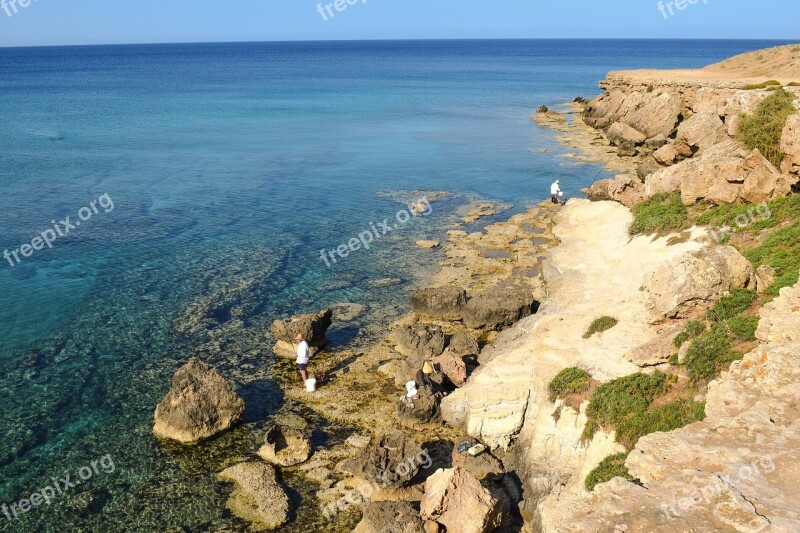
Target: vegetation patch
693	329
650	88
569	381
781	251
616	401
600	325
738	217
666	417
609	468
770	83
709	354
762	129
661	213
730	306
742	327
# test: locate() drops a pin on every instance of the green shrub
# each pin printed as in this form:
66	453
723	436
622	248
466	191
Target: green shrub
794	84
766	84
667	417
781	251
673	360
650	88
758	216
569	381
609	468
708	354
730	306
618	399
661	213
763	128
600	325
692	330
742	327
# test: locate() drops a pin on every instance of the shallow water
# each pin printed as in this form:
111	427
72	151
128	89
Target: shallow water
230	167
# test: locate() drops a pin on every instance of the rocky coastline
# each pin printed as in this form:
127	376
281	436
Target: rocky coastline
515	305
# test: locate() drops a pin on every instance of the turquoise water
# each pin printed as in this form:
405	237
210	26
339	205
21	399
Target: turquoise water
230	167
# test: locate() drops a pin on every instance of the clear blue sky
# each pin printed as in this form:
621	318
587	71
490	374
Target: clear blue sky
54	22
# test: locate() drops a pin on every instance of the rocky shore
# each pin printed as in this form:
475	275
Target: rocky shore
485	442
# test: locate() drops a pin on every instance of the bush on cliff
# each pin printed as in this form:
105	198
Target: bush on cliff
569	381
600	325
672	415
661	213
730	306
781	251
614	402
609	468
763	128
692	330
708	355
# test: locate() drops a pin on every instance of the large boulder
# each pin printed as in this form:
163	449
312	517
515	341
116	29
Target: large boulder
619	133
441	303
679	288
453	367
725	173
394	459
456	500
702	131
790	145
499	308
199	405
657	116
623	189
463	343
420	340
258	497
312	326
421	412
389	517
599	111
285	446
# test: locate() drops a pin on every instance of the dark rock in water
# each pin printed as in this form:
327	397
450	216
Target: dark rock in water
579	100
258	498
542	109
394	458
200	404
422	340
285	446
443	303
499	308
312	326
463	343
390	517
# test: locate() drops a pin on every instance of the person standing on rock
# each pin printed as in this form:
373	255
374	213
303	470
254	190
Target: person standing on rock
555	191
302	356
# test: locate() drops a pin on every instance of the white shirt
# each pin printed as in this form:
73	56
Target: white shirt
302	353
554	188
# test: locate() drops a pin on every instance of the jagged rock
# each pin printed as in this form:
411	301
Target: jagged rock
443	303
654	143
463	343
453	367
498	308
483	466
420	412
599	111
389	517
257	498
666	155
626	149
702	131
724	174
312	326
424	341
199	405
686	284
623	189
619	133
657	116
285	446
765	276
647	167
393	458
658	350
790	145
456	500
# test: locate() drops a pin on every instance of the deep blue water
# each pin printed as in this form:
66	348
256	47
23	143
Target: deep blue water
230	166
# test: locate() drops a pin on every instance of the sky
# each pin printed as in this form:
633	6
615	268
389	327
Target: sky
65	22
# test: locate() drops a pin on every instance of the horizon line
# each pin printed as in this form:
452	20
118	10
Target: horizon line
434	39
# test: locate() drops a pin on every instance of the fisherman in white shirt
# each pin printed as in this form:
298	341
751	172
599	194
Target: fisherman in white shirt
302	356
555	191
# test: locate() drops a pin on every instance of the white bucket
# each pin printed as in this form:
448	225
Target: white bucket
311	384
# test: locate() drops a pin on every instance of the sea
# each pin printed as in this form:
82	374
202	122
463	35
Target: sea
167	201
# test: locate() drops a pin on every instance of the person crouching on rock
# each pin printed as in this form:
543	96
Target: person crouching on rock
555	192
302	356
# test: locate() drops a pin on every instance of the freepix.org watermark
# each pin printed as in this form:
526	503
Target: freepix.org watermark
377	231
12	7
667	9
59	486
759	213
59	230
326	11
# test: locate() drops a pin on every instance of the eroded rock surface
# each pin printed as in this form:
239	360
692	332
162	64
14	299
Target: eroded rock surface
258	497
457	501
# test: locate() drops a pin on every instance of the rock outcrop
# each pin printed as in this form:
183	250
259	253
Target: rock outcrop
442	303
312	326
199	405
736	471
258	497
624	189
285	446
456	500
390	517
423	341
497	309
393	459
